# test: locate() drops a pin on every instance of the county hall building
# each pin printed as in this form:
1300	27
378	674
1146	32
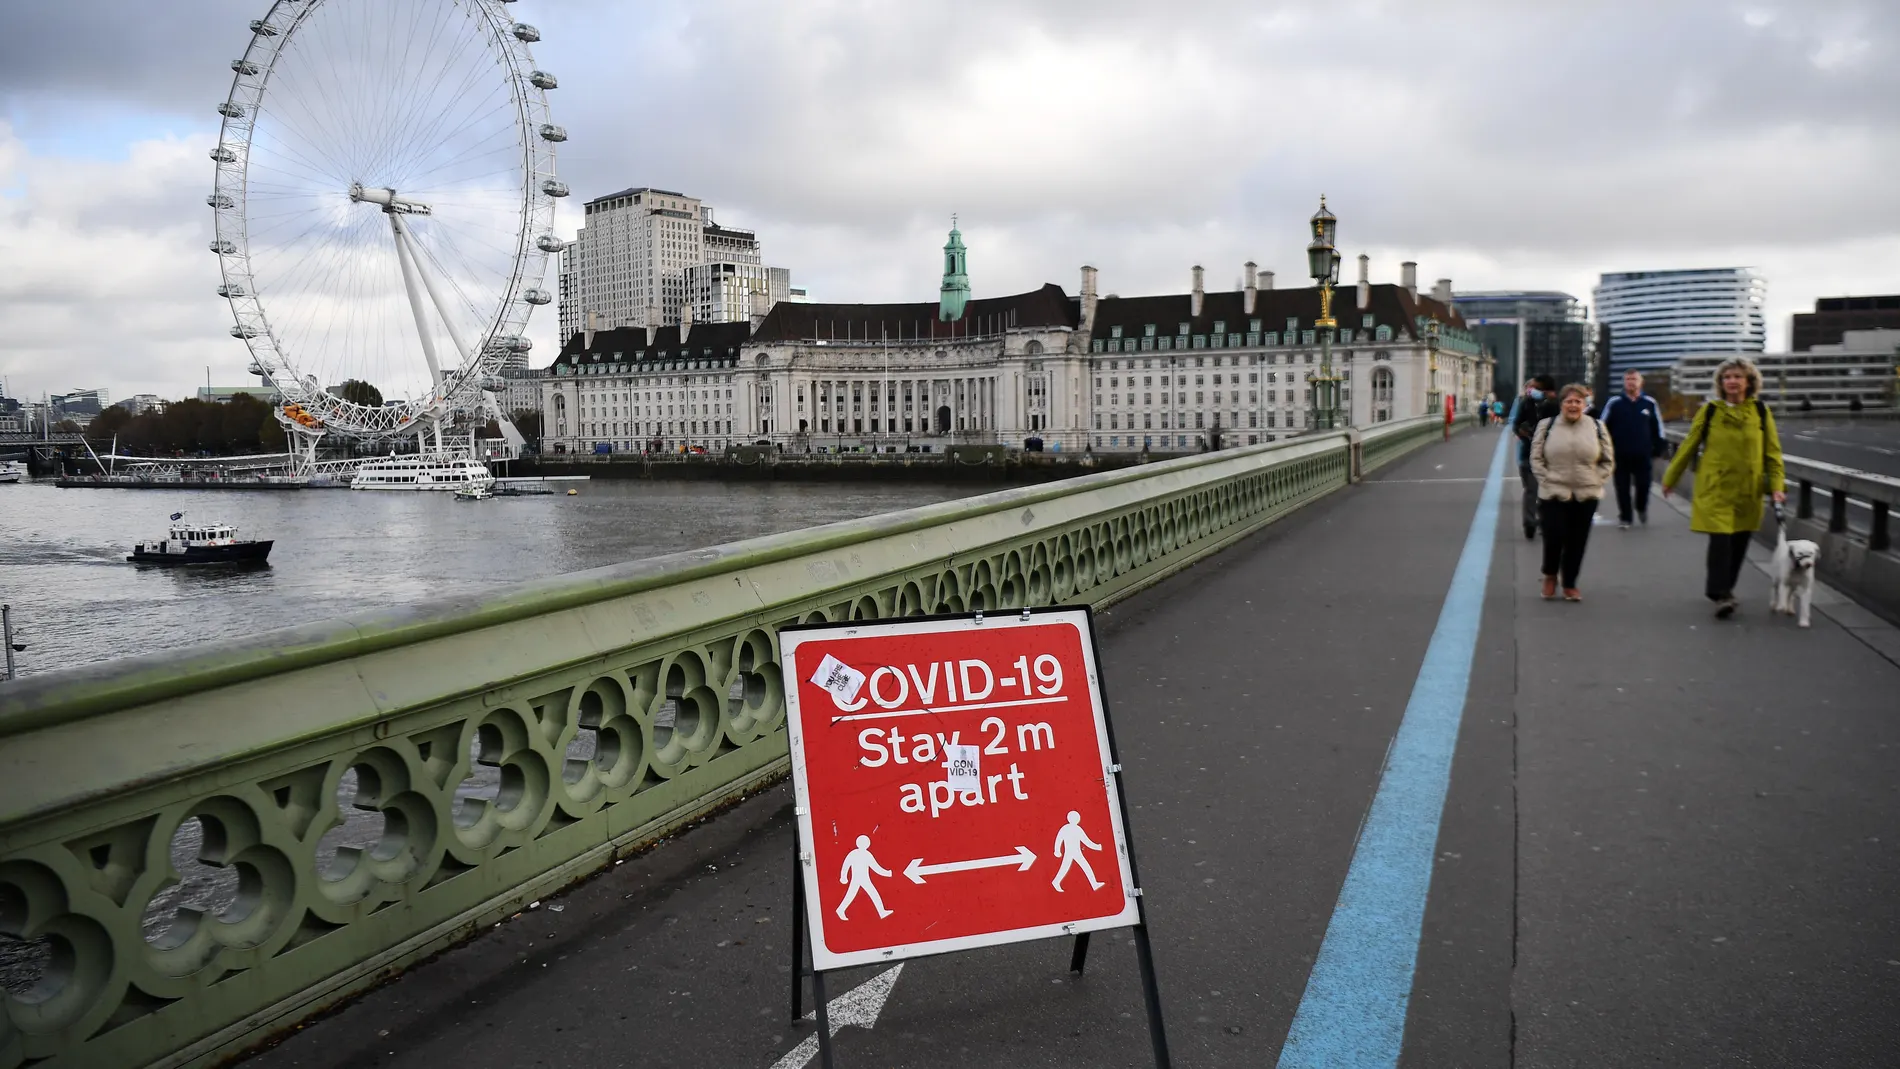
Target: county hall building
1173	373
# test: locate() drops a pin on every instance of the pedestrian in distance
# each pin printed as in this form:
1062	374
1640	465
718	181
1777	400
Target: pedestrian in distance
1739	463
1634	421
1536	404
1572	456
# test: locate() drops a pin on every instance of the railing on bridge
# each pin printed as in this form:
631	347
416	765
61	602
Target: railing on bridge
201	847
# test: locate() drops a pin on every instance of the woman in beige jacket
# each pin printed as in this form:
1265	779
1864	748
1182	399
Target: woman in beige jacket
1573	457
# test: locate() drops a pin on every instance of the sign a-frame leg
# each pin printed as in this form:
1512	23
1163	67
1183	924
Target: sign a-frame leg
822	1018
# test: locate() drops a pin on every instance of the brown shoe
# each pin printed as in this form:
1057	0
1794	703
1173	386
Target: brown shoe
1571	593
1550	587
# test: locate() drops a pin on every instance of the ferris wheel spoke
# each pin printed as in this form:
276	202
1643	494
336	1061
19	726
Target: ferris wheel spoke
291	163
309	98
415	85
422	129
497	147
310	131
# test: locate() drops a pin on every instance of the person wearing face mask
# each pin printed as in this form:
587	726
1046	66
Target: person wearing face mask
1538	404
1572	456
1740	461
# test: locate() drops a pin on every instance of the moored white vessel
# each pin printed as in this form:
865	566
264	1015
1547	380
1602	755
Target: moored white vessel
11	471
422	471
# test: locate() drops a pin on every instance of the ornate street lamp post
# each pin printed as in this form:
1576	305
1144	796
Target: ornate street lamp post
1322	260
1433	395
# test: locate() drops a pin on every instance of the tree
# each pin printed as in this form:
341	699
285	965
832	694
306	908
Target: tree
358	392
108	423
528	422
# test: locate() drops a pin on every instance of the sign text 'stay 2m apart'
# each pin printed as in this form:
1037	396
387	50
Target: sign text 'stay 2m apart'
953	785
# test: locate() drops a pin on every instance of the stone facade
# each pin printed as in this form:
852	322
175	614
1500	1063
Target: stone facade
1172	373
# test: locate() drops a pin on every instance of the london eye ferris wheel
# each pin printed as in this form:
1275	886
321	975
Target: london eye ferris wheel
385	208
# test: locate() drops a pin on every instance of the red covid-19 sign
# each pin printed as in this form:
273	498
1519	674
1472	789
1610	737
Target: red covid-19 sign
954	786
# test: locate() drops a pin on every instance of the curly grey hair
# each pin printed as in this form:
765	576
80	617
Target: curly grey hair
1746	367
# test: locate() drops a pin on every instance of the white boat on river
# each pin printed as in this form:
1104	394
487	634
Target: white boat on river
422	471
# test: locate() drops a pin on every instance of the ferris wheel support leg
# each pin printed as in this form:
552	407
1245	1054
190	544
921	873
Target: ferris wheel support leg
410	271
404	237
303	442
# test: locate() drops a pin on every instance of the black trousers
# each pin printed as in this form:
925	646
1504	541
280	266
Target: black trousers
1566	532
1528	479
1632	484
1727	554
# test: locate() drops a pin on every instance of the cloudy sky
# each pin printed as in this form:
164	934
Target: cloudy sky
1502	144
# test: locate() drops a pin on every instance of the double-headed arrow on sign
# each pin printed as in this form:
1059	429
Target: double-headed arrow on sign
1022	859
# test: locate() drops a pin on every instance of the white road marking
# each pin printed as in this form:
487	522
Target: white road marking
858	1006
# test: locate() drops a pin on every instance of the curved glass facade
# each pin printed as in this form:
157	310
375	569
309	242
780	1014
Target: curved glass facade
1656	316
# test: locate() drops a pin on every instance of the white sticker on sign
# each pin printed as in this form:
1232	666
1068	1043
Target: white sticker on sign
965	773
842	680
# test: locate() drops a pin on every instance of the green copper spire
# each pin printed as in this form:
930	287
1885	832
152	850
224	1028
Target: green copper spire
956	277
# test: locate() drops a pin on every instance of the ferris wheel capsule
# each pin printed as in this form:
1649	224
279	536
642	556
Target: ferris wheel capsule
549	243
526	34
263	28
228	291
551	132
231	110
220	201
537	296
245	67
223	155
543	80
554	188
247	333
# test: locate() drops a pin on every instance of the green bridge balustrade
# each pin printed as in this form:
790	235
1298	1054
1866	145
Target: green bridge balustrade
487	750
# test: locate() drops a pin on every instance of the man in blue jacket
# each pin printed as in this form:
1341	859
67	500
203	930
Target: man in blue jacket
1634	421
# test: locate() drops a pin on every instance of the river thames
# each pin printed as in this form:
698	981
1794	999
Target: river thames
77	601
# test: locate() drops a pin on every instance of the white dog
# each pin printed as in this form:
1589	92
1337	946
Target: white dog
1794	576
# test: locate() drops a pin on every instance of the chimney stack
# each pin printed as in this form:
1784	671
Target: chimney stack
1365	282
686	321
1087	304
1266	280
1441	292
653	323
1194	305
1253	288
1408	277
587	330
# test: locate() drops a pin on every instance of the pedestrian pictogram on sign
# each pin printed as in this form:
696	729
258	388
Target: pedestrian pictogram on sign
954	785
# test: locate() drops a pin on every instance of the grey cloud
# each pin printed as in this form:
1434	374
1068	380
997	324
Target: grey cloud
1551	140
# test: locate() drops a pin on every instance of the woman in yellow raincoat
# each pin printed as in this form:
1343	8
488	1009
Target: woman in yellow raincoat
1740	462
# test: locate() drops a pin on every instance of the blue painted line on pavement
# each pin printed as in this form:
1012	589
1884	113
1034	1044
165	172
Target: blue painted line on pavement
1353	1011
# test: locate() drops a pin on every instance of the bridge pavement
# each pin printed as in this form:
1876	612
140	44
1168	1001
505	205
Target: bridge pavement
1666	841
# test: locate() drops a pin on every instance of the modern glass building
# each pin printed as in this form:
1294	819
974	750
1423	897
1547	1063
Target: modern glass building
1531	332
1658	316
